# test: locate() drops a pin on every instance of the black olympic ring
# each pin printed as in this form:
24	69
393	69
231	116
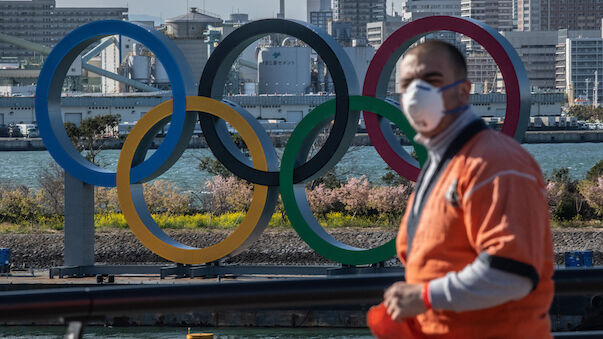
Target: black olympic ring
344	78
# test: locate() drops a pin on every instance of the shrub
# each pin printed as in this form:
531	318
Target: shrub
389	200
322	199
565	201
593	193
554	192
162	197
228	195
51	194
354	194
105	200
358	197
18	205
561	175
565	209
595	172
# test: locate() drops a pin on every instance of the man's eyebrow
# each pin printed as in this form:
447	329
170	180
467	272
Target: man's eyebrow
426	75
432	74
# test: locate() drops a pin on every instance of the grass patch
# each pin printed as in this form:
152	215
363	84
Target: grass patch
6	228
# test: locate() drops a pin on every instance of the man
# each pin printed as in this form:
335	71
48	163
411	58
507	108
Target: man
475	239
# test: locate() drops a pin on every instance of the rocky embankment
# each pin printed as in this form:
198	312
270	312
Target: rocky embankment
279	247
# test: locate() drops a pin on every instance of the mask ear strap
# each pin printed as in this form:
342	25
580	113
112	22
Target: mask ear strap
456	83
456	110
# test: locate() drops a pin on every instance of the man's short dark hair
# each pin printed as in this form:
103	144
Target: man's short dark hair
457	59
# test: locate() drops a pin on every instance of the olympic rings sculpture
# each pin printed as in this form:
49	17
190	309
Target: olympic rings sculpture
263	169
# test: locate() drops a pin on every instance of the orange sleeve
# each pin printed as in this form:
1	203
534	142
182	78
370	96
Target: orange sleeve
506	213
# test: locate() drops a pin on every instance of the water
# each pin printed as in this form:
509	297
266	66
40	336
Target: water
23	167
57	332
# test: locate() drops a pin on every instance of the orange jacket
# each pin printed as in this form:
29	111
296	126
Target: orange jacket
490	197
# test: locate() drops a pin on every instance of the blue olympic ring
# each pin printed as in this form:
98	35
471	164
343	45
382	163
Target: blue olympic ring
48	100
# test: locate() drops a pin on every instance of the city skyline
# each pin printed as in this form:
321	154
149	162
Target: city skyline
161	10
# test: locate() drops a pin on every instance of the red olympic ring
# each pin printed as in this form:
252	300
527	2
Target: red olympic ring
375	83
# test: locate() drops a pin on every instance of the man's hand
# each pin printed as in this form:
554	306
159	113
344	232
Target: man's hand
404	300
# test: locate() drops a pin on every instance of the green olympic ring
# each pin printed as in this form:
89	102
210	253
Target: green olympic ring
294	195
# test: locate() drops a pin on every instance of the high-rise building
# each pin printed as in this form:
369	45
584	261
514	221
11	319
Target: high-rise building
358	13
341	31
377	32
321	19
415	9
537	52
579	55
584	68
498	14
319	12
495	13
536	15
528	15
40	21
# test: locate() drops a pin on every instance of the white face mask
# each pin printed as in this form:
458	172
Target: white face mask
423	104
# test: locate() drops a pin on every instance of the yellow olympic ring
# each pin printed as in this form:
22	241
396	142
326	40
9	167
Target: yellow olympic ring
138	216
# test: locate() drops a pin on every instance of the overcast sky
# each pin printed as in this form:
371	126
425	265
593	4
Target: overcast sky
295	9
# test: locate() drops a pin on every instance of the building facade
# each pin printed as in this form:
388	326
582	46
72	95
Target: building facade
583	70
321	19
319	13
496	13
288	108
40	21
482	69
377	32
415	9
537	52
562	57
358	13
536	15
188	33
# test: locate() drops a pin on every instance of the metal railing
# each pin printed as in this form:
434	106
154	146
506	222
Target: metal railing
94	302
339	290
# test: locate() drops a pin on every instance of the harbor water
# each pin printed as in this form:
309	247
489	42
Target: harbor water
23	167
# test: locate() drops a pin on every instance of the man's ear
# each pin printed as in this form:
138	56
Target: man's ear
465	92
